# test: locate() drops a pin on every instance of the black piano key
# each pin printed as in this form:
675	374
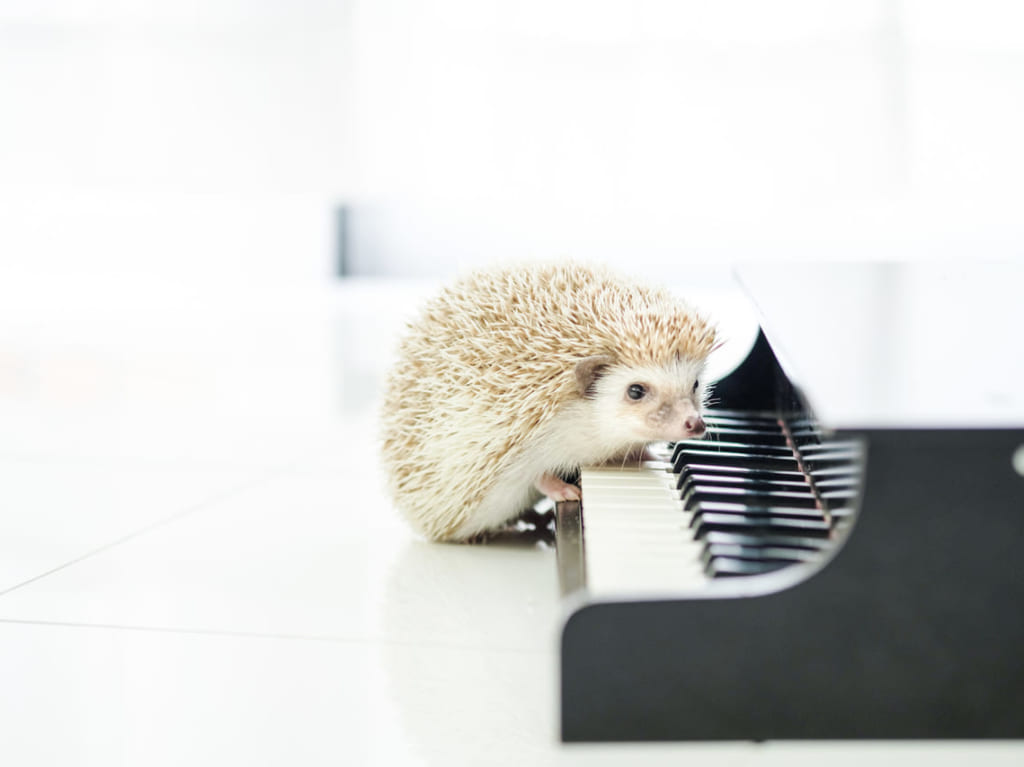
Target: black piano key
720	567
747	460
759	524
775	441
740	472
749	433
703	495
727	491
755	491
743	482
763	509
755	430
732	446
717	445
741	416
756	553
786	541
752	428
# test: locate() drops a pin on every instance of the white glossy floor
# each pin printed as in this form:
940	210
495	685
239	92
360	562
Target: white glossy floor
198	567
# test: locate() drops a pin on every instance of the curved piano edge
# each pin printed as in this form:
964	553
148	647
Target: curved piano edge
908	630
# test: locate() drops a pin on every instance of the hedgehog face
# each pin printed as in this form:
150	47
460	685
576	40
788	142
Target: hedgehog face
650	403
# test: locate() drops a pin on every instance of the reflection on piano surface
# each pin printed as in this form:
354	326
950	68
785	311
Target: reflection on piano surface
785	579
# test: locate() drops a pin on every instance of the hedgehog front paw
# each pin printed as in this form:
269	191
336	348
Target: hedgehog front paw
557	489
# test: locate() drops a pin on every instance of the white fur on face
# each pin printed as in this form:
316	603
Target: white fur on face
670	398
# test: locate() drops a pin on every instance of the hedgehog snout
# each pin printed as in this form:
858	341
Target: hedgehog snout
695	425
685	423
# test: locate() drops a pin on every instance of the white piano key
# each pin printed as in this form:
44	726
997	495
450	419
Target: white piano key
636	532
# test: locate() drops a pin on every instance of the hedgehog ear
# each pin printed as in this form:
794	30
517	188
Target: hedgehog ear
587	371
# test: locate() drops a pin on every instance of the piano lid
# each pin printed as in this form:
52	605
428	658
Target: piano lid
898	345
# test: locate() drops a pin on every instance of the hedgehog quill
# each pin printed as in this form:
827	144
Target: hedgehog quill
512	378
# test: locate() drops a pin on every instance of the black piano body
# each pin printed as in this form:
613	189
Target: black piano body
912	628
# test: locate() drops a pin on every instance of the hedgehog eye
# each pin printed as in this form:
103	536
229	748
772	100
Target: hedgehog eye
696	385
636	391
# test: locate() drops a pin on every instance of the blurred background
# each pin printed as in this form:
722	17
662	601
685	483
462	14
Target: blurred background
301	139
199	203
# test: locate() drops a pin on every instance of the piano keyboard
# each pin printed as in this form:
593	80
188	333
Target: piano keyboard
756	495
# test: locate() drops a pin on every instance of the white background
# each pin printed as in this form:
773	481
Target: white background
217	139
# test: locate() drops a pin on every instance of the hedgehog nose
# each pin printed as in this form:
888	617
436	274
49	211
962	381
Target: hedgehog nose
695	425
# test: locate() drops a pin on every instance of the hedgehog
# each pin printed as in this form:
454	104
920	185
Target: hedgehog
512	378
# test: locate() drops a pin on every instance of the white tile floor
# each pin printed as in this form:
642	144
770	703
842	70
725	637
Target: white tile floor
198	567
